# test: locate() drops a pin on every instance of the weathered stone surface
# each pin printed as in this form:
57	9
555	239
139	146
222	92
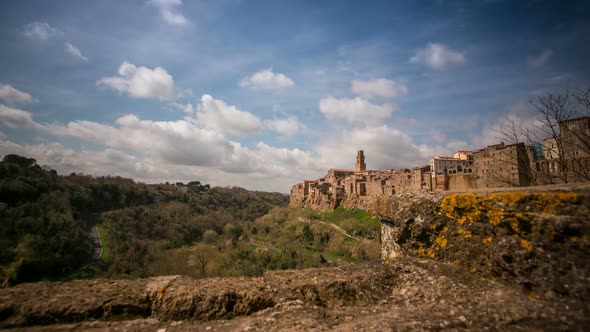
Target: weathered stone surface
539	240
402	295
178	297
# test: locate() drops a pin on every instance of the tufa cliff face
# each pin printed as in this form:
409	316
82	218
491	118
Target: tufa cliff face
539	240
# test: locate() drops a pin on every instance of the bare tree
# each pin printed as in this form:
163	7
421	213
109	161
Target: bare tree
514	131
558	123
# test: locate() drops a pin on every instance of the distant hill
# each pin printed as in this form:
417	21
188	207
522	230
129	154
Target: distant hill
45	218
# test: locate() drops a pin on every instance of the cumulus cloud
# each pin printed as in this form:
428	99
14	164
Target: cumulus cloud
12	95
163	150
156	151
379	88
540	59
169	11
39	30
288	126
215	114
75	51
438	56
384	147
16	118
141	82
266	79
517	122
356	111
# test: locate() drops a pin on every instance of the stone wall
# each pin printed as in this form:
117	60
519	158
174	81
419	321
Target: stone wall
539	238
462	181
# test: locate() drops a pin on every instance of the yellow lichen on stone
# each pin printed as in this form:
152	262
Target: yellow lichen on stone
509	198
495	217
441	241
430	253
160	292
467	234
389	260
526	245
463	207
487	240
421	250
498	207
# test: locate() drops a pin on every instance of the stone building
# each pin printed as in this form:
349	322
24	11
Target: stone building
341	184
566	156
503	165
575	137
440	167
360	162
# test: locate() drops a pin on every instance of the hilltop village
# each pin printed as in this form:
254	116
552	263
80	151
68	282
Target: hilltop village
563	158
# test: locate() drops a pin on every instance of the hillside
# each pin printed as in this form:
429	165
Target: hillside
46	220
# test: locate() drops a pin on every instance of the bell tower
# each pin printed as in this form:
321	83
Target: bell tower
360	162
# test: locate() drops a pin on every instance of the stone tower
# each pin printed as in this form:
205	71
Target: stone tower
360	162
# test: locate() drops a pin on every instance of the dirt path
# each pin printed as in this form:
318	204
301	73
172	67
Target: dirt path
335	227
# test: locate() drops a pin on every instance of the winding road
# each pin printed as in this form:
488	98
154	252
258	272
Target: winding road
96	244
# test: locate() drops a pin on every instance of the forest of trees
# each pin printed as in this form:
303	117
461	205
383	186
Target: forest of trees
172	239
45	219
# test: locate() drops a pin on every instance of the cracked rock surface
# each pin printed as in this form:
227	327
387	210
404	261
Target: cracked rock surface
405	294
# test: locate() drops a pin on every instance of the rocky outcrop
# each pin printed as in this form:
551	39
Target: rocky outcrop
177	297
537	239
402	295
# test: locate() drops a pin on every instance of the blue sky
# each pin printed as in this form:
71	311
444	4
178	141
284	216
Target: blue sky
263	94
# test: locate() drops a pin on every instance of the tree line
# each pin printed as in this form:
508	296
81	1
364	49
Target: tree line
45	219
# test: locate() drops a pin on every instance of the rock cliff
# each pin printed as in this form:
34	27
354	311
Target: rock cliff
539	240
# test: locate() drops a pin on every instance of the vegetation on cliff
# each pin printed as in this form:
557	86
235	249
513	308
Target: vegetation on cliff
45	219
171	238
150	230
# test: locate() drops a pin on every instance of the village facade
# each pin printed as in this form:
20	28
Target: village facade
494	166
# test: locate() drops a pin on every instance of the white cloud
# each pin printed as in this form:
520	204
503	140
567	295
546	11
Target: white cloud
141	82
288	126
379	88
14	96
215	114
39	30
384	147
266	79
517	122
356	111
186	108
169	11
156	151
540	59
16	118
75	51
163	150
438	56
